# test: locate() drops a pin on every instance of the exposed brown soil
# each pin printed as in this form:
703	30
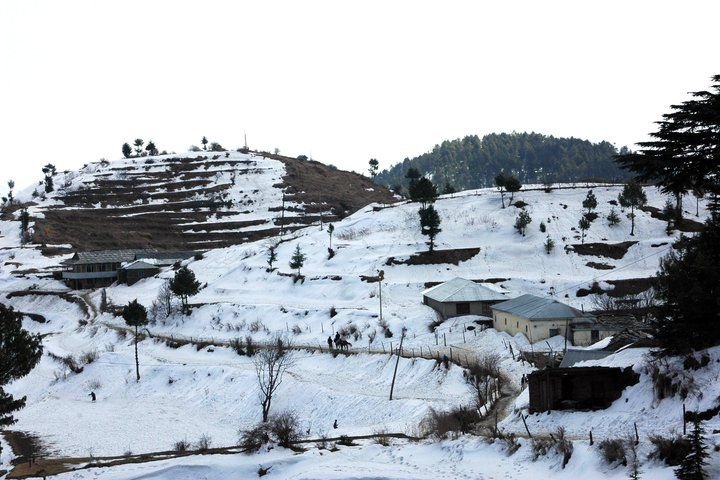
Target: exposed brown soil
599	266
610	250
628	286
126	219
437	257
685	225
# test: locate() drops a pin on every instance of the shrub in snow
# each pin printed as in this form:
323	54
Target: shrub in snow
557	443
440	424
671	450
285	428
252	439
613	451
181	446
89	357
204	443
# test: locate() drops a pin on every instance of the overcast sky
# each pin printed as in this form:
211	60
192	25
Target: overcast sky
338	81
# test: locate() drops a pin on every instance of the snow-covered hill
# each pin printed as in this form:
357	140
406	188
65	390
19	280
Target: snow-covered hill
185	392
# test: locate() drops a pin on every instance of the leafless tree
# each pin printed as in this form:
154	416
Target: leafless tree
270	365
165	298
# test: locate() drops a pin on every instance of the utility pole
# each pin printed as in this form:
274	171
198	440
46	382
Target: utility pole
245	134
381	277
392	385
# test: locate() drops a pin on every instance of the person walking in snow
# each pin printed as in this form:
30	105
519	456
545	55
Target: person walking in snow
92	396
330	342
335	423
337	339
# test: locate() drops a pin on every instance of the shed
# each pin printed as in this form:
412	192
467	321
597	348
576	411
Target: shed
460	296
132	272
581	388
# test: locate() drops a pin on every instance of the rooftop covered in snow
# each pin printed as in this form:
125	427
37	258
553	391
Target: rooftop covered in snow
463	290
538	308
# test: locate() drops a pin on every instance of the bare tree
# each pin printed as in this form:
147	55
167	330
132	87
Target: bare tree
165	298
270	365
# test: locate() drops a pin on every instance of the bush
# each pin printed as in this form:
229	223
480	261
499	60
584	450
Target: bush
543	228
439	424
253	439
296	330
671	450
285	428
557	443
613	451
204	443
89	357
181	446
381	438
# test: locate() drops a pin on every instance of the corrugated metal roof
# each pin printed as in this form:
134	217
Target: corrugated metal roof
123	256
145	264
572	357
462	290
538	308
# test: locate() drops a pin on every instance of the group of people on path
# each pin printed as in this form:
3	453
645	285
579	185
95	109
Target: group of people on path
340	343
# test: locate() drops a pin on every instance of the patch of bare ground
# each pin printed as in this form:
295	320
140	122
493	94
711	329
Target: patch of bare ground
154	204
621	288
685	225
610	250
599	266
454	256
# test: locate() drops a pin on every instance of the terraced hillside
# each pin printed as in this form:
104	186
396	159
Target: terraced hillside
194	200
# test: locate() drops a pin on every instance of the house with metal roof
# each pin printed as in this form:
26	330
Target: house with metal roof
538	318
462	297
102	268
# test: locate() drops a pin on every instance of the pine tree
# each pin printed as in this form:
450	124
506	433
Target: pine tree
297	260
613	218
693	466
374	165
49	171
522	221
11	185
126	150
20	351
204	142
423	191
151	148
584	225
429	224
135	315
512	185
24	224
184	285
590	202
688	286
139	142
500	184
634	197
271	256
448	189
549	245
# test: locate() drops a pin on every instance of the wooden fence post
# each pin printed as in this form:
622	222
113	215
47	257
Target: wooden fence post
526	427
444	340
591	439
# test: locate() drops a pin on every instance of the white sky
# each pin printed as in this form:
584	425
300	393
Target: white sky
339	81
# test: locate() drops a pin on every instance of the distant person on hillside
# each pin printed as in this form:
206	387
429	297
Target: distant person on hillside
330	342
92	396
335	423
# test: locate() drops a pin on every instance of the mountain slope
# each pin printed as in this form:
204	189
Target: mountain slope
194	201
474	162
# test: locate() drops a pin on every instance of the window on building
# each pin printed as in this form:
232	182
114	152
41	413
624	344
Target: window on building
462	308
594	336
554	332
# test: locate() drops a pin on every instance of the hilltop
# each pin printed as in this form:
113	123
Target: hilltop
473	162
192	201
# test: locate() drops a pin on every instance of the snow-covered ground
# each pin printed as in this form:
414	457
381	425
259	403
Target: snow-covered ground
185	393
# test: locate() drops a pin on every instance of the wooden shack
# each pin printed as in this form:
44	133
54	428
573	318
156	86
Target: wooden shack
581	388
462	297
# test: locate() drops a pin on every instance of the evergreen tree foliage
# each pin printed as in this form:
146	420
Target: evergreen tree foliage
448	189
683	152
139	142
429	224
11	185
613	218
184	285
297	260
49	171
271	256
374	166
584	225
20	351
151	148
412	176
688	288
590	202
422	191
512	185
634	197
473	162
500	184
135	315
522	221
549	245
543	227
24	224
126	150
693	466
204	142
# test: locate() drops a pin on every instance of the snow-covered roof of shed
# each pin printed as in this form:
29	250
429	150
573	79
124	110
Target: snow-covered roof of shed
539	308
144	264
462	290
571	357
